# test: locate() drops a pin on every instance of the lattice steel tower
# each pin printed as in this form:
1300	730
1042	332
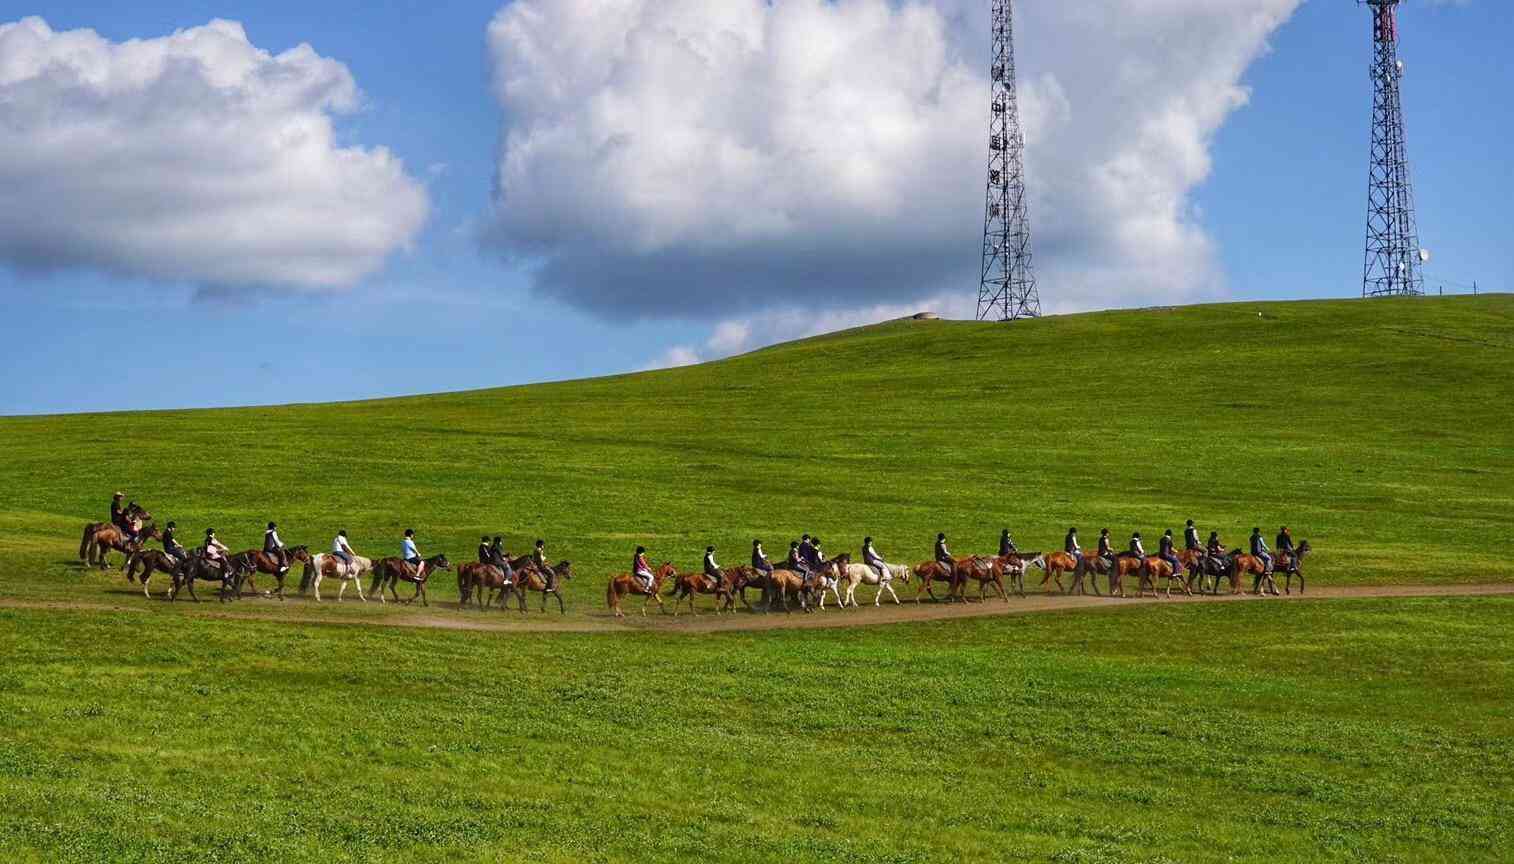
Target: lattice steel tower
1394	255
1007	290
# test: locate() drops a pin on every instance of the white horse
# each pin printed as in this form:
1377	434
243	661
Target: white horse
829	582
861	574
339	570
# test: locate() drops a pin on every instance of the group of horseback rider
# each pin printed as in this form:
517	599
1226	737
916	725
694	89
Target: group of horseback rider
492	553
215	554
1214	548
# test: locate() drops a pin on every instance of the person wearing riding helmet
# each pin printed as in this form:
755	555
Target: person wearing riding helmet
943	555
871	558
642	570
1215	546
539	561
1106	546
1259	550
341	548
214	550
1136	549
485	556
117	514
760	561
501	559
171	546
1166	550
273	547
712	570
1191	536
795	561
1006	544
412	555
1070	545
1285	546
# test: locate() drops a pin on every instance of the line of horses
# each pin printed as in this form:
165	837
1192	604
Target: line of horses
483	585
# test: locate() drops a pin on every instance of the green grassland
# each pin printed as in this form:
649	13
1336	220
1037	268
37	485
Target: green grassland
1383	432
1344	730
1332	730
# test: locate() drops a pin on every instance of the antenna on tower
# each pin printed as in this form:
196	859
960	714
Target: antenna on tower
1007	289
1394	256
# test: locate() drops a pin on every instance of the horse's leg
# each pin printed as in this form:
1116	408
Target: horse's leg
562	608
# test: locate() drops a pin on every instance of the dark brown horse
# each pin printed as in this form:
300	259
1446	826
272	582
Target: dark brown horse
389	572
262	562
622	584
474	578
530	578
197	567
1090	566
1294	566
932	572
149	561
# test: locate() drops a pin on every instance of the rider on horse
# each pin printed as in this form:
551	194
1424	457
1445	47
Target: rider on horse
341	549
1285	547
1166	552
1070	545
1191	537
1006	544
796	562
214	550
411	554
944	555
760	559
485	552
501	559
642	570
1106	546
871	558
539	561
711	569
1215	547
171	546
1136	550
273	547
1259	550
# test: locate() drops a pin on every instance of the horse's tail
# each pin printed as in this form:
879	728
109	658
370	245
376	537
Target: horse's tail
89	535
610	594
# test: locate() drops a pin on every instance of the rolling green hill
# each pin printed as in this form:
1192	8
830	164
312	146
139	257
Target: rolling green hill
1382	431
1252	731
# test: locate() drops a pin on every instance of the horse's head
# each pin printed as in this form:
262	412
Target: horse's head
151	533
564	569
438	562
299	553
906	573
1302	549
667	570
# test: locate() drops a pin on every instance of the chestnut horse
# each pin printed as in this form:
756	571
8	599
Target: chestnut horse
150	561
987	571
1057	564
530	578
785	582
934	571
389	572
87	545
622	584
97	546
265	563
686	586
1156	568
1123	566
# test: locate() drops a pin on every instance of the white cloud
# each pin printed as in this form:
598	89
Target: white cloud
193	157
693	159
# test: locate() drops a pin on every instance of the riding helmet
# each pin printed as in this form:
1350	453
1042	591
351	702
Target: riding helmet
209	531
540	543
172	525
941	535
271	526
484	539
866	540
1190	523
409	532
1136	534
342	533
1168	532
709	549
641	550
498	539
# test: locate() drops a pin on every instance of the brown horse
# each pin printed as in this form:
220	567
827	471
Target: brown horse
622	584
1090	566
786	582
389	572
134	515
986	571
1015	564
1159	569
1123	566
1193	565
262	562
1243	564
149	561
474	578
687	585
1058	564
934	571
1294	566
96	547
196	567
530	578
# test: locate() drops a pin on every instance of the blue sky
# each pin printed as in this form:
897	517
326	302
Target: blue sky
1277	211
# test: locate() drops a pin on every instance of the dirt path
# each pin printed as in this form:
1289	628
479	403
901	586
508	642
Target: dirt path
450	618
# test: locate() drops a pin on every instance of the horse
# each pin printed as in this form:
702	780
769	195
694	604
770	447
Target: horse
531	579
1015	564
686	586
387	573
982	569
1241	564
476	576
197	567
331	565
784	581
1159	568
150	561
934	571
1294	566
133	514
1211	569
1193	565
264	563
96	547
622	584
1124	565
1055	565
861	574
1091	565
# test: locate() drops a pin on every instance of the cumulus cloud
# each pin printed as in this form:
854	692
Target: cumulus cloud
194	157
693	159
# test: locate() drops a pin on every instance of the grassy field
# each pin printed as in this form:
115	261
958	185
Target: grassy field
1383	432
1318	731
1339	730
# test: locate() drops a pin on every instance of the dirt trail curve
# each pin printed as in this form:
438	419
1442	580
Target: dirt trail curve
449	617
